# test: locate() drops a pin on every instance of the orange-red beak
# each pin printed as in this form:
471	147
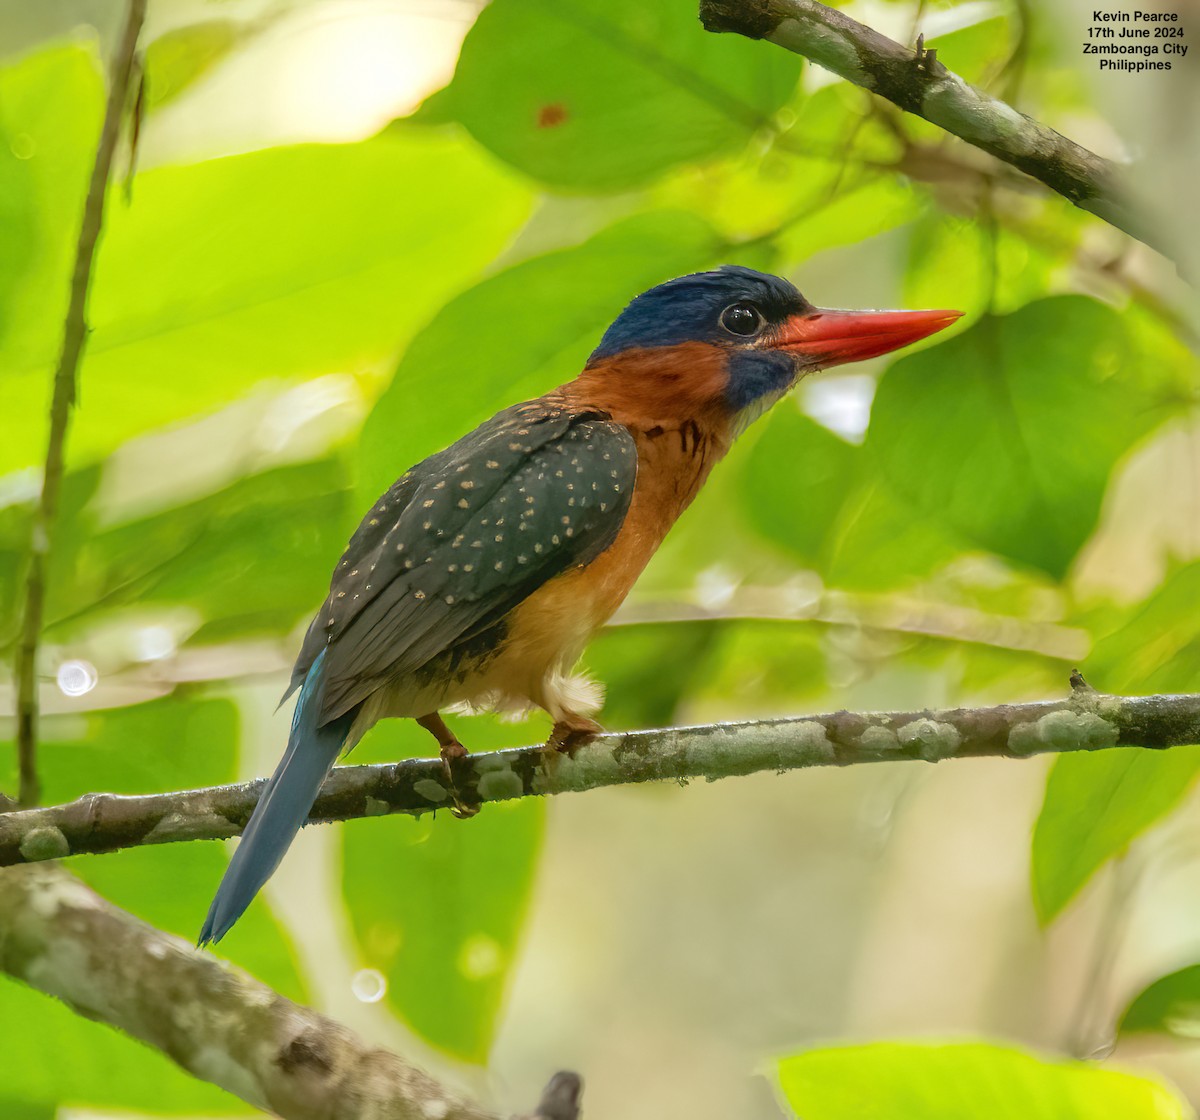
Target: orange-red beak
831	338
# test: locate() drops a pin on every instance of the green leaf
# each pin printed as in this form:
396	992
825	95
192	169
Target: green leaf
1008	432
290	262
875	207
1171	1005
648	670
53	1054
51	103
1157	647
932	1081
974	52
606	94
184	55
953	262
1096	804
220	554
26	1110
438	904
795	480
168	744
880	541
517	335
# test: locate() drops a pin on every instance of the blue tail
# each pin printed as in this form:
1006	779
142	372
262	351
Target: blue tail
283	807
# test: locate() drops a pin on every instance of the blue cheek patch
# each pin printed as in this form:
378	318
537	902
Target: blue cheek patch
754	374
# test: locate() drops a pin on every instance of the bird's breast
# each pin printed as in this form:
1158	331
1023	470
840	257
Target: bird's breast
557	620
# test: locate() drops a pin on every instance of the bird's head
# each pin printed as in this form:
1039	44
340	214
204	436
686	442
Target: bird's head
743	338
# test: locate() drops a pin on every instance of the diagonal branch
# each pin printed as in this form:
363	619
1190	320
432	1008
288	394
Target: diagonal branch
918	83
1087	721
75	331
218	1023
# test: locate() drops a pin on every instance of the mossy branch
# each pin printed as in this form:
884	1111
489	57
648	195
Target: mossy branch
1088	720
917	82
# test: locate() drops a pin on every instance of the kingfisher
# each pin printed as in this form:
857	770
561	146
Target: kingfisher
479	576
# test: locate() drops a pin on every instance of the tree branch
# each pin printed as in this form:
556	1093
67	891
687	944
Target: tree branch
919	84
218	1023
1089	720
75	331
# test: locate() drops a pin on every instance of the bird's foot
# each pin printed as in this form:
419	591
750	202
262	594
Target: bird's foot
571	733
451	753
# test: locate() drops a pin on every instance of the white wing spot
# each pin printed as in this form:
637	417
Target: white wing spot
467	484
449	600
499	565
418	594
374	521
492	464
463	503
468	567
427	503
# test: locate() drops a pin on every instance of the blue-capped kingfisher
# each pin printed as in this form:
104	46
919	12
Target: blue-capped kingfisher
483	571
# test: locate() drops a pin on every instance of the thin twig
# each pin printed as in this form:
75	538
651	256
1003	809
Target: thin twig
920	84
1088	720
75	332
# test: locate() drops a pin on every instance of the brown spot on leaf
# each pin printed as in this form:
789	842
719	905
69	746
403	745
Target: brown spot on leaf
552	115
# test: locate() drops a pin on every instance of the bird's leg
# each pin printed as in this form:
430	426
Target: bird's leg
571	731
451	750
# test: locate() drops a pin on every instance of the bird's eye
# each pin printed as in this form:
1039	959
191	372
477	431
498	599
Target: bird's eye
742	319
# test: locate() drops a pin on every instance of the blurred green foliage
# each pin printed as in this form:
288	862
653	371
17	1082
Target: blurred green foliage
931	1081
467	256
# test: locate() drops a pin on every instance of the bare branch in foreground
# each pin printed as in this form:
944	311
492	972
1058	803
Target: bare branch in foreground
918	83
218	1023
75	333
1087	721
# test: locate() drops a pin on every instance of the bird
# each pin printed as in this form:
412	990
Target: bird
481	573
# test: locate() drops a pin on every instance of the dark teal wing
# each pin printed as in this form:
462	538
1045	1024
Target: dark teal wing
463	538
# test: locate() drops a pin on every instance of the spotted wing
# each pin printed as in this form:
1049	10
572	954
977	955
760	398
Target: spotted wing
480	526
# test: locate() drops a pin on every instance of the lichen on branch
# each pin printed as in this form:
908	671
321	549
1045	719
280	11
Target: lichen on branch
1087	721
